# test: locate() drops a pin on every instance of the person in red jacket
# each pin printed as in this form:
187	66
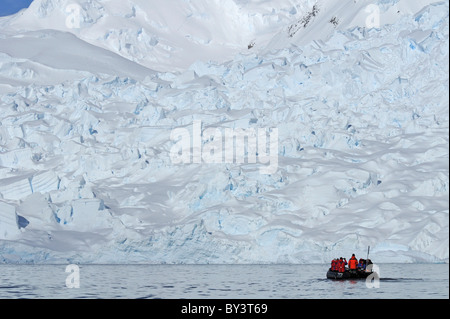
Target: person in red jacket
341	264
334	264
353	263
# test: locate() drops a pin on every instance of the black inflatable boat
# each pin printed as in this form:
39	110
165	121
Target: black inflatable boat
348	274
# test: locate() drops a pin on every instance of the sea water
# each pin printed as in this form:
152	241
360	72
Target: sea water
430	281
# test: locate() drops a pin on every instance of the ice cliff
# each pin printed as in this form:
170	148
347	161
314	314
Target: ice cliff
89	98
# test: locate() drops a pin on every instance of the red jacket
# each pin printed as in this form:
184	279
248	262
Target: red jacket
341	265
353	263
334	265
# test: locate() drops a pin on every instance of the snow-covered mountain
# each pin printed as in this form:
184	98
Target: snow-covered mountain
168	35
91	92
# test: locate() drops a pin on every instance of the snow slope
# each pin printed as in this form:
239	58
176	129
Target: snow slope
87	114
164	36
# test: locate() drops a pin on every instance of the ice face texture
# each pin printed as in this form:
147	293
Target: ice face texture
88	107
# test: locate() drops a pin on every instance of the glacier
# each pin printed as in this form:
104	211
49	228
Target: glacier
87	115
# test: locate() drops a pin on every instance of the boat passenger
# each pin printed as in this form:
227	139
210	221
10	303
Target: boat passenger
353	263
362	264
341	264
334	264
